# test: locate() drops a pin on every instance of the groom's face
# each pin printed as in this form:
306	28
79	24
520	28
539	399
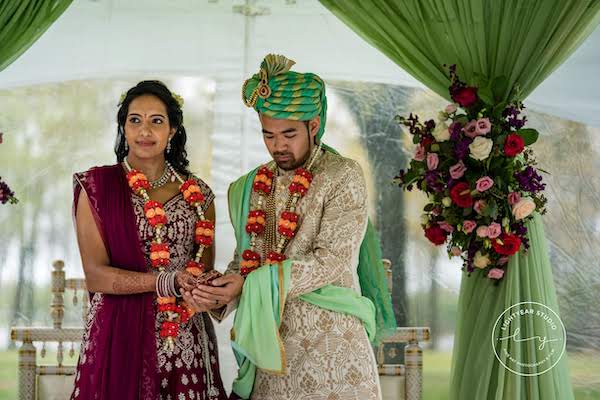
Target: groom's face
289	142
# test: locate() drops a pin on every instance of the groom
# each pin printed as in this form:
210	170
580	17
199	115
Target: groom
302	327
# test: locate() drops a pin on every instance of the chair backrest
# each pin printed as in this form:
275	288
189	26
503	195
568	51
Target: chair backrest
52	381
401	381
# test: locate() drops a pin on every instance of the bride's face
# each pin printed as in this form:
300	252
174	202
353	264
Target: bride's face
147	128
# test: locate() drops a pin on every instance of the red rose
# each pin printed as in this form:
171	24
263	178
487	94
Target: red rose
426	141
461	195
513	145
507	244
436	235
466	96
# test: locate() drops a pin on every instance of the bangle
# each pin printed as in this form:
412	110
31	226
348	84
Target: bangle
165	284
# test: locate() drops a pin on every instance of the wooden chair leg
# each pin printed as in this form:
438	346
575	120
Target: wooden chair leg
413	359
27	370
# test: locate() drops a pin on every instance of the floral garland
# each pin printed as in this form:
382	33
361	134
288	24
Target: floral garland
478	174
175	312
287	224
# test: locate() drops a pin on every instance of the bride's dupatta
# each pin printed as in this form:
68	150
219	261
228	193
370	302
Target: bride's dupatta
118	355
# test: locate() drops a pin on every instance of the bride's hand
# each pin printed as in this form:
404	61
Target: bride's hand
185	281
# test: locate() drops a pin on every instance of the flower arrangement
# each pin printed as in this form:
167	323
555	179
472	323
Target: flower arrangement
479	174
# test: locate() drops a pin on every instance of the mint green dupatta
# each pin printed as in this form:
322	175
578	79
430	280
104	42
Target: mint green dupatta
255	335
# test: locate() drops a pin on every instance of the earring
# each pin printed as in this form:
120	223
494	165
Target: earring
169	146
126	146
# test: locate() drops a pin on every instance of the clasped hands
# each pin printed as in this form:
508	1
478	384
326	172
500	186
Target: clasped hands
210	290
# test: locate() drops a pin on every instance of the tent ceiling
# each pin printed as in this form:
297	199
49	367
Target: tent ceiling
226	39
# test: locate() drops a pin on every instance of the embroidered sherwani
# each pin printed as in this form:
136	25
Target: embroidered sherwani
328	355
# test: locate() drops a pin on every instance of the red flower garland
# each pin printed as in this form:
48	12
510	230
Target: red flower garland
174	314
263	181
155	213
287	224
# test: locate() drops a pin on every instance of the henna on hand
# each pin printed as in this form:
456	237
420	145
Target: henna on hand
130	282
185	281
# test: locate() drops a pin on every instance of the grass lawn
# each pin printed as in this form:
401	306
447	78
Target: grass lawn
585	370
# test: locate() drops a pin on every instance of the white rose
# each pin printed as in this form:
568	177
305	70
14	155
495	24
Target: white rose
441	132
481	148
523	208
481	260
447	201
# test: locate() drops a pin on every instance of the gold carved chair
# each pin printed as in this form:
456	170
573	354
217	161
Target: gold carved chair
401	380
52	381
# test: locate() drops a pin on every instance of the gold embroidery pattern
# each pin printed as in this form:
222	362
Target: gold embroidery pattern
328	353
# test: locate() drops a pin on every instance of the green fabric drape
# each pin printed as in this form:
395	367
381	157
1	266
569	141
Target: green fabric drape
22	22
524	41
477	374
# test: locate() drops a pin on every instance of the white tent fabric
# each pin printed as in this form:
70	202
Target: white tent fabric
226	39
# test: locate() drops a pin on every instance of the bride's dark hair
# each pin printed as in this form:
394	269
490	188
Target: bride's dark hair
177	156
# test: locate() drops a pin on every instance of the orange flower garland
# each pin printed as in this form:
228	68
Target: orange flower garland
175	312
287	224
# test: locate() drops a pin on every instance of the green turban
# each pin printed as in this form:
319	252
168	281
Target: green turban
279	93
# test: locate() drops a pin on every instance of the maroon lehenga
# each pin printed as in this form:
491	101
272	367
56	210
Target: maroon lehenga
122	354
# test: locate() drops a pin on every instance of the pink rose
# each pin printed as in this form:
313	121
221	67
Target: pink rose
503	260
495	273
455	251
468	226
494	230
432	161
479	206
457	170
513	198
446	226
482	231
483	126
484	184
450	108
419	153
523	208
470	129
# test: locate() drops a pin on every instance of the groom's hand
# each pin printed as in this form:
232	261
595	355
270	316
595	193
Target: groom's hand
222	291
196	306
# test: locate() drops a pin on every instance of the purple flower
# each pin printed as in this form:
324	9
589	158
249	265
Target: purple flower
530	180
455	129
433	182
461	150
511	113
429	125
470	255
520	230
6	194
